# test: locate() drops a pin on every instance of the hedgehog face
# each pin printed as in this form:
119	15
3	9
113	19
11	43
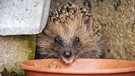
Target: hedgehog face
67	49
68	38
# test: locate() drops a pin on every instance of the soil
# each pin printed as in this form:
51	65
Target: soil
6	73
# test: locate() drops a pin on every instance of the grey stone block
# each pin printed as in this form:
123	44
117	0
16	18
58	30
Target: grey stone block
23	16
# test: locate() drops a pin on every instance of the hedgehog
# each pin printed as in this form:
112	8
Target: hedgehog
71	32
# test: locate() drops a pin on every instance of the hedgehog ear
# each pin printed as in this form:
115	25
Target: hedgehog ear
86	23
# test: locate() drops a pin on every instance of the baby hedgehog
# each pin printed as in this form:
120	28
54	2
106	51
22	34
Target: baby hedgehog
71	32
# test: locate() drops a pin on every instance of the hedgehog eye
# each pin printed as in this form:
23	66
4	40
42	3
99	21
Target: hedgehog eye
56	40
77	39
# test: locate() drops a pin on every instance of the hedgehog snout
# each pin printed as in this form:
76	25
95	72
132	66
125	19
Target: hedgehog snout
67	54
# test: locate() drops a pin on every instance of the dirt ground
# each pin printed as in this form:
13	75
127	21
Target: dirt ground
6	73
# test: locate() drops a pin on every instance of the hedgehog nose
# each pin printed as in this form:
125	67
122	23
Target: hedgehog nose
67	54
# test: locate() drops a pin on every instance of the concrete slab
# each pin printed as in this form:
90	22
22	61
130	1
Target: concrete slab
23	16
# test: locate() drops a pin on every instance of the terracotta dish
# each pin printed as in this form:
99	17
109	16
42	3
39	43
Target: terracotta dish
80	67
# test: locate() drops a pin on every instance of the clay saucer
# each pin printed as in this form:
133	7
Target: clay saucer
80	67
